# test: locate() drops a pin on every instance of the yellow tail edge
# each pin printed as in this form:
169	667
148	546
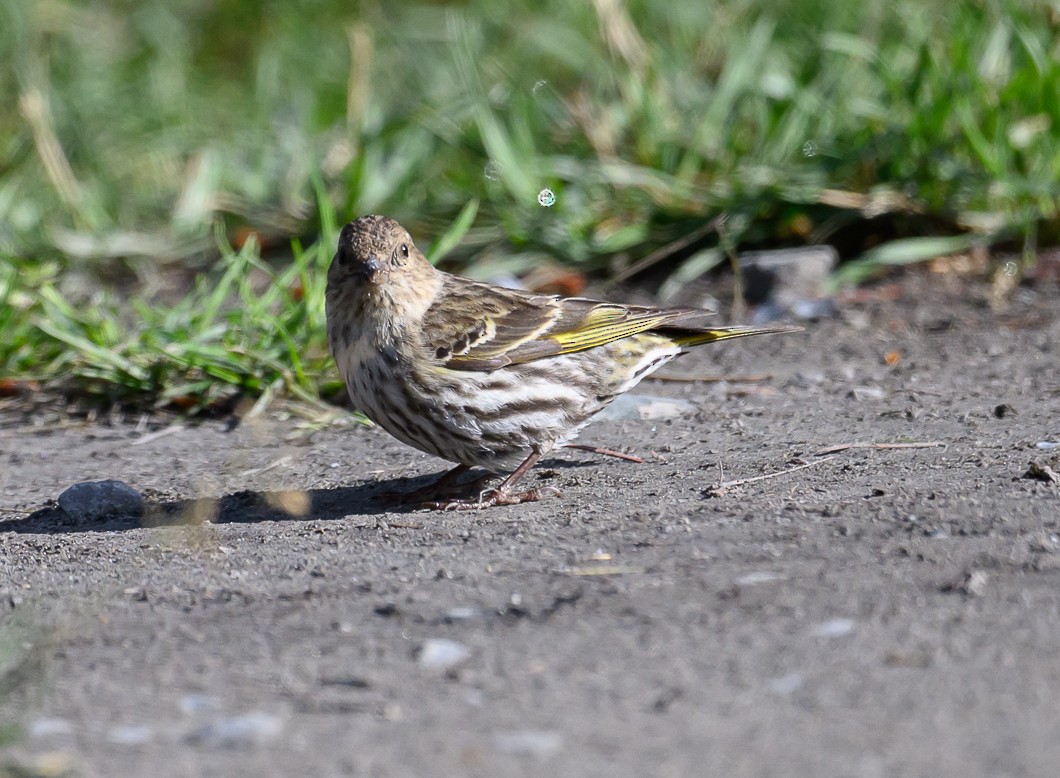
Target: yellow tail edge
699	337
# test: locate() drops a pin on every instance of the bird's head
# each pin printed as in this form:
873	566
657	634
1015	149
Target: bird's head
376	256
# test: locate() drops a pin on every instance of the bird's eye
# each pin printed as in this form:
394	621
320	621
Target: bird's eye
404	249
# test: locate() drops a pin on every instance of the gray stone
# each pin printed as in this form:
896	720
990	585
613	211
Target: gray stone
131	734
95	500
48	727
443	655
789	282
645	408
246	729
538	744
786	684
834	628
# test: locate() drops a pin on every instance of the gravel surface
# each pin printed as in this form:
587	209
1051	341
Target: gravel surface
878	612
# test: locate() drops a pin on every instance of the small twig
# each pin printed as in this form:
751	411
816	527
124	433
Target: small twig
607	452
262	403
726	239
720	488
404	525
384	525
157	434
877	446
274	464
751	391
662	253
714	379
600	570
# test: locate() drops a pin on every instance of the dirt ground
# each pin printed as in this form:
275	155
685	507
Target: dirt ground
880	612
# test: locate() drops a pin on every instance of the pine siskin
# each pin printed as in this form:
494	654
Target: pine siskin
478	374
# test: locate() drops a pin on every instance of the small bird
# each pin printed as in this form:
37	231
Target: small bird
478	374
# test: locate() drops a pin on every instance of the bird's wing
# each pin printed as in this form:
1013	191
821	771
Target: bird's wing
475	326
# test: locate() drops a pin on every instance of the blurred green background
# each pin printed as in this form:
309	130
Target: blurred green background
172	174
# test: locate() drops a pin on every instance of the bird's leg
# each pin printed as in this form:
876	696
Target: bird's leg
607	452
502	494
433	490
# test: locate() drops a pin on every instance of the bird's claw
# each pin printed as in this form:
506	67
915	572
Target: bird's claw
492	497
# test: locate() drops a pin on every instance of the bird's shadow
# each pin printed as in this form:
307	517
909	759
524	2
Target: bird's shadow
367	498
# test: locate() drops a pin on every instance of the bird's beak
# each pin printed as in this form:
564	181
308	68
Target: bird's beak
370	268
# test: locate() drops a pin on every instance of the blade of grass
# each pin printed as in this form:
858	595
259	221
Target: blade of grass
451	238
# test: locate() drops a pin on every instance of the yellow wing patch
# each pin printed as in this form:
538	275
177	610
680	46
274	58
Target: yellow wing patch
606	329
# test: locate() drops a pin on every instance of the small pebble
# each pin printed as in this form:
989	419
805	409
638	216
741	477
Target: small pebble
834	628
242	730
867	393
759	577
198	703
790	282
463	614
812	310
443	655
786	684
95	500
859	320
975	584
539	744
49	727
646	407
131	735
1047	445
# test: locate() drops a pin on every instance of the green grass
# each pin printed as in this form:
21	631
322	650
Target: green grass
151	136
245	328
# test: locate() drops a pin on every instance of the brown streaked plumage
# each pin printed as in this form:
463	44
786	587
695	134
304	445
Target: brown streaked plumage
478	374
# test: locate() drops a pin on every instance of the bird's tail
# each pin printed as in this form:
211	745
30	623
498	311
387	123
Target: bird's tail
686	338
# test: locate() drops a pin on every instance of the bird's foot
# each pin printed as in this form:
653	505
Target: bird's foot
492	497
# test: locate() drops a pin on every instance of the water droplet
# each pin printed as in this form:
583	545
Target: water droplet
493	170
546	197
539	85
809	149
